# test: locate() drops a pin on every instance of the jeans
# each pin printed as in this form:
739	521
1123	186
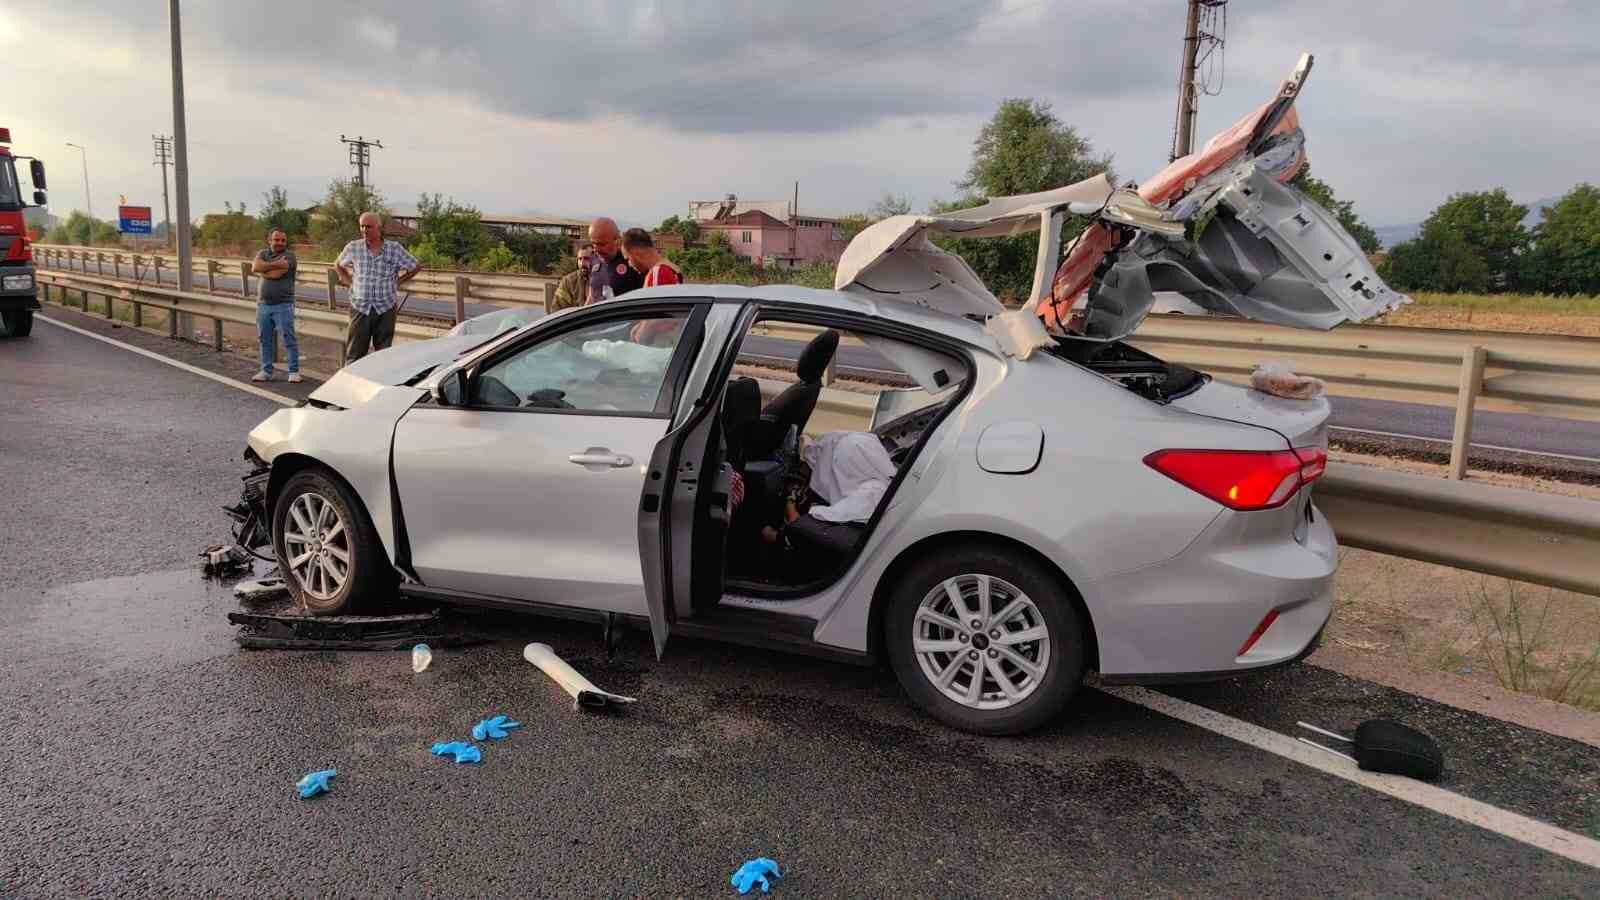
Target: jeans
273	319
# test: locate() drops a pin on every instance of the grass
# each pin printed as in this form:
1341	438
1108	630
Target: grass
1526	638
1513	303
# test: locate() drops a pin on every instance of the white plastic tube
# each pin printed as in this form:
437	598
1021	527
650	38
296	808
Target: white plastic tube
583	691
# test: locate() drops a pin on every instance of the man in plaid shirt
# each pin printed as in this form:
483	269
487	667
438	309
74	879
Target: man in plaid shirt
376	268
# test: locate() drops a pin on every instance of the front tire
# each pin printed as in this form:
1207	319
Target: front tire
985	640
327	549
19	322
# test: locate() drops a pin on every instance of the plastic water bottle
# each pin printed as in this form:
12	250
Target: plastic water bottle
420	657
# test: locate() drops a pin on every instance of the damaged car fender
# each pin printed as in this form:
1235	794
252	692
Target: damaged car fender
352	443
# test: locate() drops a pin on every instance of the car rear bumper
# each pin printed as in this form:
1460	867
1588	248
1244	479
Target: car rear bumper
1189	618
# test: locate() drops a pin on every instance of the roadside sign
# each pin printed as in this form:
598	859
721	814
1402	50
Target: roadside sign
133	219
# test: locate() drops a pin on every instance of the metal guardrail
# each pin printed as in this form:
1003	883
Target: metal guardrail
463	287
1550	375
314	323
1540	538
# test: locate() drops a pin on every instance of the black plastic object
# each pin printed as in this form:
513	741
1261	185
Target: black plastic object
1384	745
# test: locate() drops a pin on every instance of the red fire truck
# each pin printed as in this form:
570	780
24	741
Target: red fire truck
19	295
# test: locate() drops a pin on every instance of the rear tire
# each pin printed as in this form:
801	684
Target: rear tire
19	323
328	551
1027	651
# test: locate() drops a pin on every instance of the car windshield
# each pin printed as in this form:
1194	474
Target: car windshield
9	197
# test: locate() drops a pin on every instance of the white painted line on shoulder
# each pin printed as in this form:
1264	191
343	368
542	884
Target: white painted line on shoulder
195	370
1532	832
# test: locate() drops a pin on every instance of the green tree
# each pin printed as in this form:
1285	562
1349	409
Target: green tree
688	229
453	230
1565	258
1439	259
86	232
1490	224
854	224
229	230
1322	194
539	252
890	205
276	213
499	258
1024	148
336	220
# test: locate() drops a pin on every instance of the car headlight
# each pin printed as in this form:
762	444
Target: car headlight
17	282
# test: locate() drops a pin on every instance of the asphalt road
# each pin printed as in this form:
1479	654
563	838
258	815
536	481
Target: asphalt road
1512	431
146	755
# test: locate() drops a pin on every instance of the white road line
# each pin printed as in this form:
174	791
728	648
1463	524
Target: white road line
195	370
1532	832
1433	440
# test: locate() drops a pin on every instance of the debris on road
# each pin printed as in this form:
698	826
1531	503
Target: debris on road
583	691
421	656
315	783
461	750
223	560
261	631
260	590
756	872
1384	745
496	728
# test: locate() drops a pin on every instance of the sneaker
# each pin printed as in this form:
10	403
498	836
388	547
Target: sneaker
294	378
261	376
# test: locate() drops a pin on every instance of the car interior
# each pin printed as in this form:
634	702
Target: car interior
769	412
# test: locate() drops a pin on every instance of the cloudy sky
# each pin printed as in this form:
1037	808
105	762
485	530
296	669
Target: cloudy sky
635	108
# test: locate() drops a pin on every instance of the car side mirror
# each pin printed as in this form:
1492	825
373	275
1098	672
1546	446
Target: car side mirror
36	170
452	391
38	198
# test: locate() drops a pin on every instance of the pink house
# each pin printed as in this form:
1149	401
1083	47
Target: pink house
768	240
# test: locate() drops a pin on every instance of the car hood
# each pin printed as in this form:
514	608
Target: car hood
355	384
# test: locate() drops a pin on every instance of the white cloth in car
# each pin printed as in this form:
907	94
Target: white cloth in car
850	470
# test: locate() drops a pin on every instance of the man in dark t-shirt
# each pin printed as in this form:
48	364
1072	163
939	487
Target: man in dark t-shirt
275	311
612	276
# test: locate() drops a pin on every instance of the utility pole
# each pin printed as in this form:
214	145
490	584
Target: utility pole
180	168
88	202
1197	30
361	155
164	159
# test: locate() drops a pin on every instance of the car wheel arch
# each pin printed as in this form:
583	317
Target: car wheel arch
287	465
937	543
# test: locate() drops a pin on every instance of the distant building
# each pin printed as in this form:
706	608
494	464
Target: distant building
767	232
408	218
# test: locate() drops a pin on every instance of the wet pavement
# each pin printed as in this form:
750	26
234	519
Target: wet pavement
147	755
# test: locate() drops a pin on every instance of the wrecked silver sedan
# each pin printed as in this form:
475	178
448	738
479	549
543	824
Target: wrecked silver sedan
995	500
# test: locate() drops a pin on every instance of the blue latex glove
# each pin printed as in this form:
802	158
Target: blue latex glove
463	752
496	728
753	872
315	783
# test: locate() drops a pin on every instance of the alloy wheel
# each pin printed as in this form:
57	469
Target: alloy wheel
981	642
316	543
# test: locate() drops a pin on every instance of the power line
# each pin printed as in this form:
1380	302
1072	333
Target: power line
164	159
361	155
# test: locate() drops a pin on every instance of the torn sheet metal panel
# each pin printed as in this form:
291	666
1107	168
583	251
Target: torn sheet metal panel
584	693
260	631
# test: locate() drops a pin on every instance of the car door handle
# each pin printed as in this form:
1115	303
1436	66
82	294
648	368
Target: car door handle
600	456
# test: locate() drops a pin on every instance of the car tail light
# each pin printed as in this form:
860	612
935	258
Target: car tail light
1266	622
1242	479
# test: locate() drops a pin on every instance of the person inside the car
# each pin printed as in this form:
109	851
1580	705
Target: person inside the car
841	477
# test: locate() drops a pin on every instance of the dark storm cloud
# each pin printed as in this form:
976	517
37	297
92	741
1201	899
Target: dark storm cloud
725	68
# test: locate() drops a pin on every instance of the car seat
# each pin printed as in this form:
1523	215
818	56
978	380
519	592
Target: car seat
793	407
